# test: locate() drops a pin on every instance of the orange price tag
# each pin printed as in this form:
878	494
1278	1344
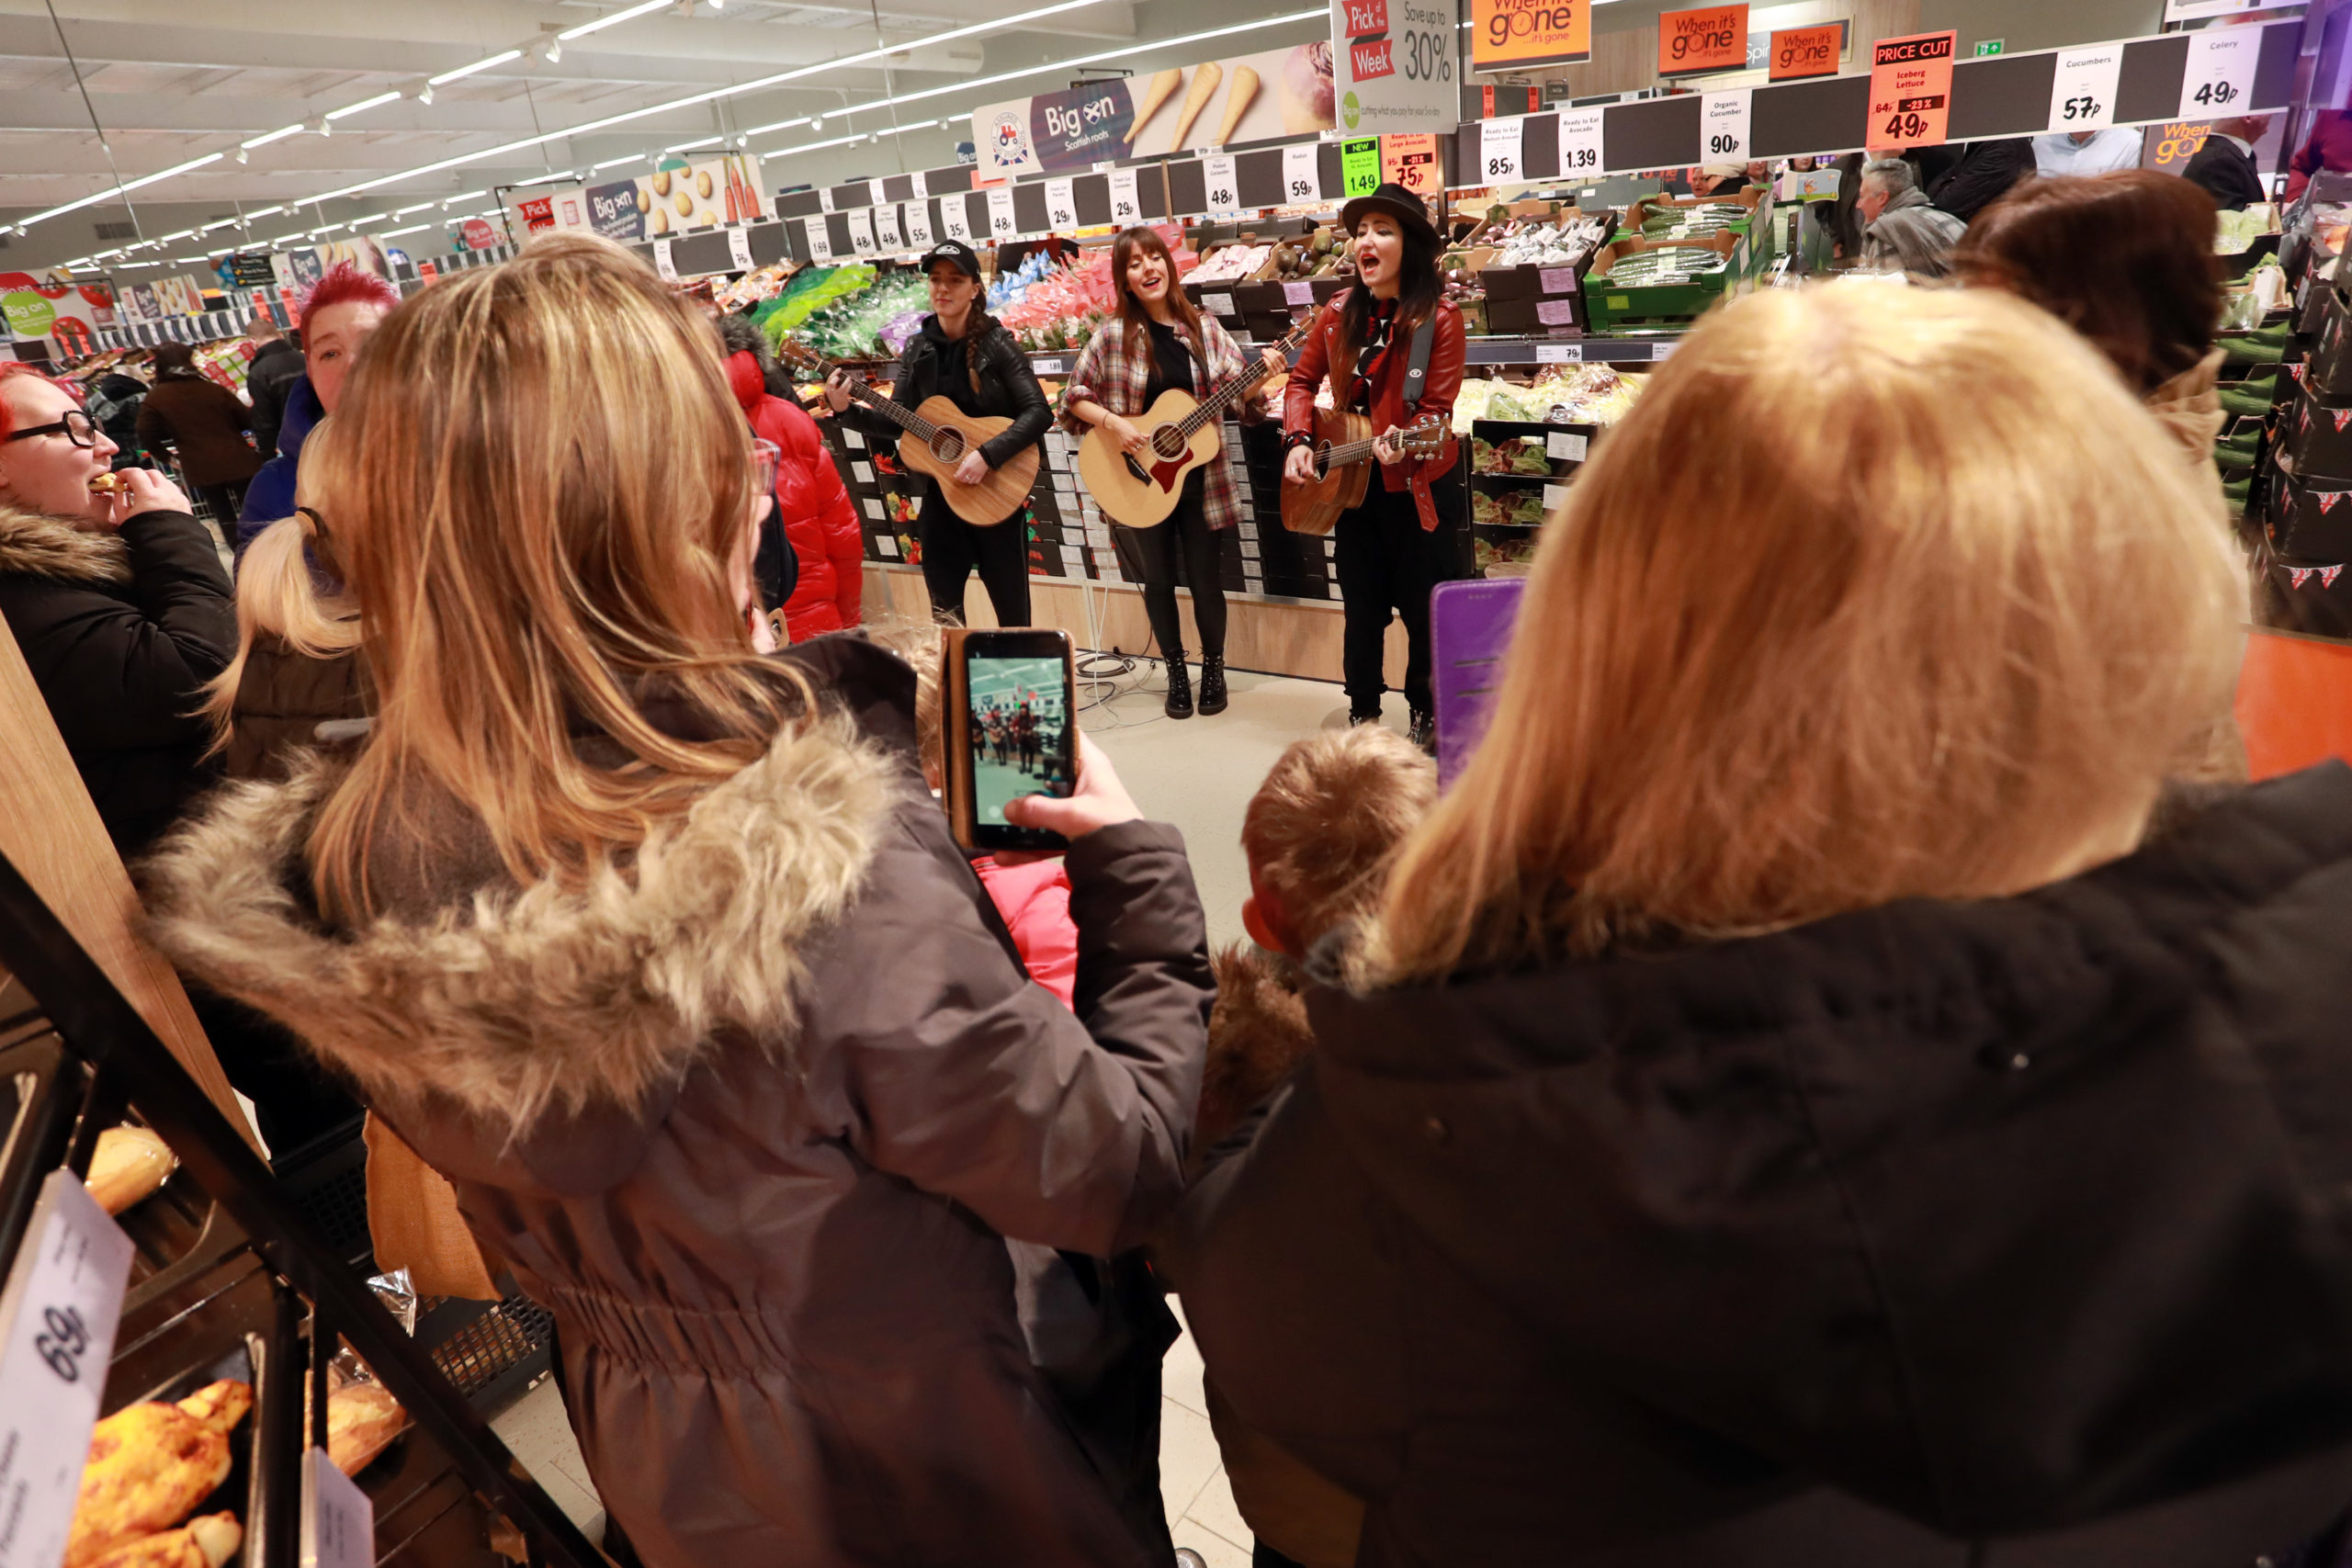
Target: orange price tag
1410	159
1799	52
1691	42
1911	89
1514	33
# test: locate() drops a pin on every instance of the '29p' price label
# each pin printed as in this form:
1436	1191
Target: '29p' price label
57	1318
1126	206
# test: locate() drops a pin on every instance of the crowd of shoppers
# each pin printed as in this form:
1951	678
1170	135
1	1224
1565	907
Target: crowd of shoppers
1843	1077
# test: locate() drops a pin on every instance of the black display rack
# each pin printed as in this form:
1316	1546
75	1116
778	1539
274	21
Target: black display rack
232	1277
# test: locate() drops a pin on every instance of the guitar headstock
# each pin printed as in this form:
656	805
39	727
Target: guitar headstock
1425	437
803	358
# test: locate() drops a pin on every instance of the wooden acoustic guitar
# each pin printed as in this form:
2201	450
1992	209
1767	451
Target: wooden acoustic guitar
1342	473
937	434
1180	432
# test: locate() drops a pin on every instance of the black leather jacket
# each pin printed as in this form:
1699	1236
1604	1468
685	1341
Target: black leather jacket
1008	389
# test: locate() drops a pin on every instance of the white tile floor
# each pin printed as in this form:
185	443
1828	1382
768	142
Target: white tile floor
1198	773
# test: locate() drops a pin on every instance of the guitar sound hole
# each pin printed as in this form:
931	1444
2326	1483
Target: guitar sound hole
948	445
1169	442
1322	462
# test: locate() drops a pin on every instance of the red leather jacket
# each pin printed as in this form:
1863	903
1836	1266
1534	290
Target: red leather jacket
1443	380
814	507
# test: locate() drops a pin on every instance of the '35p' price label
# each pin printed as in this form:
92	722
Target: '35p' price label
57	1318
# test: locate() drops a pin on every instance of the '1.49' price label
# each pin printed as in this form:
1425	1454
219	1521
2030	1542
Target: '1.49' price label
57	1318
2082	89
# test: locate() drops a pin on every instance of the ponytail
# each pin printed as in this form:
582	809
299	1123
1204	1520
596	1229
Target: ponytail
277	597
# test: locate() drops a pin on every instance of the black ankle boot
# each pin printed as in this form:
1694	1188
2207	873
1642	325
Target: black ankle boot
1180	687
1424	730
1211	683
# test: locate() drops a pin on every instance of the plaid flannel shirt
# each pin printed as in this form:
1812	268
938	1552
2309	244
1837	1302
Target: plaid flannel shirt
1109	374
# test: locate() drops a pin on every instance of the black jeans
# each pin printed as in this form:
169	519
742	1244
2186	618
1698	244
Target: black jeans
1186	530
952	548
226	501
1387	564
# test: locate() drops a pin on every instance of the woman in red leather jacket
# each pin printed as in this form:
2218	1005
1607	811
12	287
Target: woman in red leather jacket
1408	536
813	514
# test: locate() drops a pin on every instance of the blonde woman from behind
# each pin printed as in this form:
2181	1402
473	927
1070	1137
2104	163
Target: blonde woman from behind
1794	1106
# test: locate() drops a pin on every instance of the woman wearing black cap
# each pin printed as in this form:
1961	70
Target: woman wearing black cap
1407	535
964	354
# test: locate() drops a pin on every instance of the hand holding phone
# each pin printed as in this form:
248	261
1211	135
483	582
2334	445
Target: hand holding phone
1009	698
1101	800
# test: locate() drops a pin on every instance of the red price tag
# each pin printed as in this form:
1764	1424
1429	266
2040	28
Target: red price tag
1372	60
1366	18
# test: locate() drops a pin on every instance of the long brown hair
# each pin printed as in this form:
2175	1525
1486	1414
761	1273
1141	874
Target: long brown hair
1934	620
2124	258
1133	313
549	498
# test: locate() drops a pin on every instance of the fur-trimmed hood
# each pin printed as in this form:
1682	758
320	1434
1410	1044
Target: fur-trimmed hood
34	543
1257	1036
554	998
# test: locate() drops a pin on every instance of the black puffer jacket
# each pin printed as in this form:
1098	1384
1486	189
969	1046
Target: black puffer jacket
121	631
275	369
934	365
2010	1232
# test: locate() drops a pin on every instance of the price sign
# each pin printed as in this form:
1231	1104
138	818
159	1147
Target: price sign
1302	180
1558	353
338	1521
1002	223
739	249
1557	313
1555	498
922	186
1126	206
886	227
1500	141
1722	127
2082	89
1358	167
1061	204
874	196
956	218
1579	142
2220	78
1564	447
918	224
1911	89
824	199
819	245
57	1318
1556	280
1298	293
860	232
664	263
1218	304
1224	184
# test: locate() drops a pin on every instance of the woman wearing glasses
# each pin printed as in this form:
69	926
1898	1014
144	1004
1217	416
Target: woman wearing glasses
1393	350
117	598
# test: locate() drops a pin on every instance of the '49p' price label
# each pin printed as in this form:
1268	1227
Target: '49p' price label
57	1318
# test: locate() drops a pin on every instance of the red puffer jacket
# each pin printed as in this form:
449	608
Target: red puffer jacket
814	507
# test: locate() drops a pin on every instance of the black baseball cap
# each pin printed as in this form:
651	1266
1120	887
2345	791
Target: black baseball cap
955	254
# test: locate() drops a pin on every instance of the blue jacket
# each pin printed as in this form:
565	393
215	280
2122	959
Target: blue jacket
270	495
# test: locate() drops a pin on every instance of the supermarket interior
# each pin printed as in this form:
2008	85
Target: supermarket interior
1636	849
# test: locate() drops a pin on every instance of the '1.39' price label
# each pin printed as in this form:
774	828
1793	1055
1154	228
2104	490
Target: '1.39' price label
57	1318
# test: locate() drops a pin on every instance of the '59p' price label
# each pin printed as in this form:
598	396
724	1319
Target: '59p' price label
57	1318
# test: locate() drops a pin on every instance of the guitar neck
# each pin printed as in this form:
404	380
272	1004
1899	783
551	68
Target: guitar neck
898	413
1348	452
1215	403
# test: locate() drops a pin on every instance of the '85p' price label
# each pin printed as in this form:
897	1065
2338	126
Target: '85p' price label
57	1318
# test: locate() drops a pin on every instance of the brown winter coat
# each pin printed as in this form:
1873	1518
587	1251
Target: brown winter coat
282	698
752	1118
207	422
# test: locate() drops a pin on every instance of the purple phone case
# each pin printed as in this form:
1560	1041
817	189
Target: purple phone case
1469	631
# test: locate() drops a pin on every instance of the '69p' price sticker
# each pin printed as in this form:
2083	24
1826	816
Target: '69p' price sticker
58	1317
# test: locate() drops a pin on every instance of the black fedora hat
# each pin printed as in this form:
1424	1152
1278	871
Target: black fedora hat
1398	203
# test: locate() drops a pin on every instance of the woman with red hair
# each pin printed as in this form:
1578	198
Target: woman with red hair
338	314
813	526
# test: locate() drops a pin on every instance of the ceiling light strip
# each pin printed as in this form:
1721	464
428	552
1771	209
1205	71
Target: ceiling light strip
482	64
378	100
585	29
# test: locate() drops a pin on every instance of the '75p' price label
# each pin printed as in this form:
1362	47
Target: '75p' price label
57	1318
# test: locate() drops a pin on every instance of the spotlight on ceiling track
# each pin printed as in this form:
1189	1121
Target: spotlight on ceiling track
424	94
244	155
553	53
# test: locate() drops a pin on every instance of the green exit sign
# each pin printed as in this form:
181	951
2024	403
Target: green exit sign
1990	46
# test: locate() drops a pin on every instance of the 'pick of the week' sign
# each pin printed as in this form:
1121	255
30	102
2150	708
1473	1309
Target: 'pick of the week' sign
1369	49
1691	42
1911	89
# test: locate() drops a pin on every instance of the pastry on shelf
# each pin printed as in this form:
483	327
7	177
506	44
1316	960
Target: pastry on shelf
362	1420
207	1542
128	1164
150	1464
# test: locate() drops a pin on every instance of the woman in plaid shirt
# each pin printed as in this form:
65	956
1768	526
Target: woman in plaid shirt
1160	341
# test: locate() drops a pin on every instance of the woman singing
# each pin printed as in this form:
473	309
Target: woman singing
1407	535
962	354
1160	343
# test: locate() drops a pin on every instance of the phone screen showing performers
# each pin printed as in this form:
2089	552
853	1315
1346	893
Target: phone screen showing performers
1018	722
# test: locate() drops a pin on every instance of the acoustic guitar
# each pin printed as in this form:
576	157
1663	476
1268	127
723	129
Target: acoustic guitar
1141	488
937	434
1342	452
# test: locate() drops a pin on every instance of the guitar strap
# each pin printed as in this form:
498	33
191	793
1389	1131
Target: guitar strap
1417	369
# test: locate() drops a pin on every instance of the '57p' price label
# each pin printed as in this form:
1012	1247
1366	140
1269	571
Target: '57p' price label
2082	89
57	1318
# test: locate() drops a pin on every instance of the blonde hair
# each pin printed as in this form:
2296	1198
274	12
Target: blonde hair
278	593
1320	830
547	516
1933	619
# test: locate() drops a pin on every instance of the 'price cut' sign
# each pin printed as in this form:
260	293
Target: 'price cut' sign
2082	90
1911	89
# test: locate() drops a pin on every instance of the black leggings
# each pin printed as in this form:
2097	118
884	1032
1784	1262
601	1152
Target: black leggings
1387	564
952	548
1187	529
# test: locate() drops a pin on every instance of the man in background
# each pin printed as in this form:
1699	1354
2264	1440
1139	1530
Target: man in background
2225	164
2086	152
1899	228
271	375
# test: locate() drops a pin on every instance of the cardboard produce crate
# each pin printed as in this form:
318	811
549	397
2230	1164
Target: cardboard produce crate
1652	304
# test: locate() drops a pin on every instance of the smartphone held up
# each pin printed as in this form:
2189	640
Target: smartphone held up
1010	732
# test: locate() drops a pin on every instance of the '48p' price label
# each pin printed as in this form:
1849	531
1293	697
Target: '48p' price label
58	1317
